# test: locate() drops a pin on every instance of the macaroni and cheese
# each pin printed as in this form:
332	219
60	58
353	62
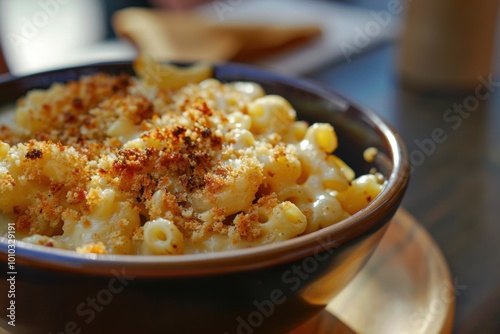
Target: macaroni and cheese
169	162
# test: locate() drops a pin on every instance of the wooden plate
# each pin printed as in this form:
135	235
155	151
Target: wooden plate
405	287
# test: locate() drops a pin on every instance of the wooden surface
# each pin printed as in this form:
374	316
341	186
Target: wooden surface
455	187
405	287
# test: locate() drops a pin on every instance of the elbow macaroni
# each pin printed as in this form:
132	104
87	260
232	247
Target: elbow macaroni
115	164
162	237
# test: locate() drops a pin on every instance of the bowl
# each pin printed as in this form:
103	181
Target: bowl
266	289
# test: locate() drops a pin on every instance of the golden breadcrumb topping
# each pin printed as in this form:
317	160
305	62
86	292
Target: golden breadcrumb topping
112	164
96	248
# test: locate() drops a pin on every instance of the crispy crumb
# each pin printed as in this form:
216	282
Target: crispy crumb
93	248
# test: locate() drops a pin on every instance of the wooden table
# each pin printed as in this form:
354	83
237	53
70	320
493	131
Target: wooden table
455	187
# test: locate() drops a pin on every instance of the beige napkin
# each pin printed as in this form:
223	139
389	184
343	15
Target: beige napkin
187	36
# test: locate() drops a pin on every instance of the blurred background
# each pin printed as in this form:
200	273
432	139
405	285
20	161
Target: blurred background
42	34
429	67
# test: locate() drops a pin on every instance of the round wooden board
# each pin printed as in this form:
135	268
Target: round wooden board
405	288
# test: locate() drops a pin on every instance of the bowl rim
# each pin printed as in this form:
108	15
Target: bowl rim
371	218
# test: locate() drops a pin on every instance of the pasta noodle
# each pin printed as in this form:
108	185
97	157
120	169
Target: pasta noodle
169	164
161	236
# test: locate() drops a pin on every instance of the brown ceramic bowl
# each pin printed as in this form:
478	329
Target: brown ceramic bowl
266	289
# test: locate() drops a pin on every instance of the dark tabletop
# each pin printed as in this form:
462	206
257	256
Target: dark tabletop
454	190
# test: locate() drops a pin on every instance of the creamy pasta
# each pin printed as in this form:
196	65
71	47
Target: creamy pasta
169	164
